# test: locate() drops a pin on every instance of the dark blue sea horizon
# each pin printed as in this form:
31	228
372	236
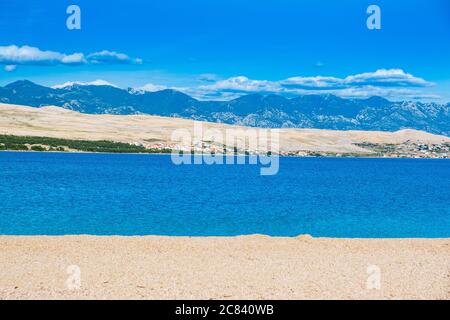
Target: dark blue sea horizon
123	194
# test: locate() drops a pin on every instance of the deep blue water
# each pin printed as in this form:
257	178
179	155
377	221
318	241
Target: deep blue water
102	194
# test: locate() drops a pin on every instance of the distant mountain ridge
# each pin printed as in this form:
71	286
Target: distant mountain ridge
305	111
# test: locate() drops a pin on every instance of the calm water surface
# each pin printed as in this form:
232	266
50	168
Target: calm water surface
103	194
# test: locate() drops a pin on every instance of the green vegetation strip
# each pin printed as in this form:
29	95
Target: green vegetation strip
8	142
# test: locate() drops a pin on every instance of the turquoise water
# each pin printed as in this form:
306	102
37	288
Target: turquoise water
103	194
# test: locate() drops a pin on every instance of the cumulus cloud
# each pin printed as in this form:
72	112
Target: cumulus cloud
388	78
14	55
389	83
394	84
380	78
75	58
242	84
26	55
111	57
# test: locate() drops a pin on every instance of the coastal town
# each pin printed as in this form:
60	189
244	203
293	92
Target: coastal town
405	150
408	149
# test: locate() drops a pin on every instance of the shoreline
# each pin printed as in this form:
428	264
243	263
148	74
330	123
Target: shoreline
240	267
243	155
252	235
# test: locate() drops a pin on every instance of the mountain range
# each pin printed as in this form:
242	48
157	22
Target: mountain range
275	111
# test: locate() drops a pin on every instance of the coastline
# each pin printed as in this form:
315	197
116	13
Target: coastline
241	267
221	154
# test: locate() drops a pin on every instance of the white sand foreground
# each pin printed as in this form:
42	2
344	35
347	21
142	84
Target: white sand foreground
245	267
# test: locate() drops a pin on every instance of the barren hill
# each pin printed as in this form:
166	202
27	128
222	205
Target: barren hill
148	130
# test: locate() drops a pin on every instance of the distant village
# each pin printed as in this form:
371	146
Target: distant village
406	150
410	150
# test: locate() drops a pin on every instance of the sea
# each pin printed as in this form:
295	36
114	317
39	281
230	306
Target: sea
131	194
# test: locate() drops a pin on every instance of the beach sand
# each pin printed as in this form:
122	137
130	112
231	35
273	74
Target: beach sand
245	267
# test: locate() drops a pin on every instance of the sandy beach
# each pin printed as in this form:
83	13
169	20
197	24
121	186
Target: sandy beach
245	267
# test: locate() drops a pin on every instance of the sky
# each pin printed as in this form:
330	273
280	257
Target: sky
221	49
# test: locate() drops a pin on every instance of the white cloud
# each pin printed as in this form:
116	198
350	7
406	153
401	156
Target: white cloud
14	55
150	87
76	58
26	55
318	82
389	83
10	67
98	82
242	84
387	77
111	57
380	78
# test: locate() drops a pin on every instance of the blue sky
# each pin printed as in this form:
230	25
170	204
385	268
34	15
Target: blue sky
217	49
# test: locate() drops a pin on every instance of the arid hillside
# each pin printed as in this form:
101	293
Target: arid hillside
151	131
